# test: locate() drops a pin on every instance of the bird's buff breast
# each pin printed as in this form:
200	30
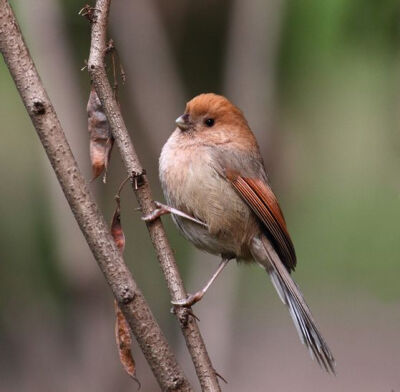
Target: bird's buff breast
192	184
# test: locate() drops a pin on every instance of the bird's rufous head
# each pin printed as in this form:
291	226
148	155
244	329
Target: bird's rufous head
208	112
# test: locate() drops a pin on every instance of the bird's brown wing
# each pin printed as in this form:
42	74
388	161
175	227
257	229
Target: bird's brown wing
260	198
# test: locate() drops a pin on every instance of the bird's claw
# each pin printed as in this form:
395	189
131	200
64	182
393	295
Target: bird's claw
190	300
162	209
155	214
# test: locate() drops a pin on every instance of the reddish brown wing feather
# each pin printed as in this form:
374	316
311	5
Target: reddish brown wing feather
262	201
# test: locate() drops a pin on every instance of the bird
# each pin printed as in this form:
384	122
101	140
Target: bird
218	192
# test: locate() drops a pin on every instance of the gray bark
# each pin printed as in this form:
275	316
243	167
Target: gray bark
97	234
194	341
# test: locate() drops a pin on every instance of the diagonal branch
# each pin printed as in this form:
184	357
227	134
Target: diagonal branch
191	332
131	301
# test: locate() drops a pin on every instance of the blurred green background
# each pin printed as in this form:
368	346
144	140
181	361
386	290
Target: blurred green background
319	84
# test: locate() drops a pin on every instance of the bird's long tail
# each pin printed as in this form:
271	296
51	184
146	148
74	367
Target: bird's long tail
290	294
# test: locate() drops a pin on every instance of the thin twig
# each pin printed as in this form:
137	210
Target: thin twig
204	369
117	196
131	301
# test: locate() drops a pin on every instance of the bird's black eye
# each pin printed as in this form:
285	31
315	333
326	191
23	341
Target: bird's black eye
209	122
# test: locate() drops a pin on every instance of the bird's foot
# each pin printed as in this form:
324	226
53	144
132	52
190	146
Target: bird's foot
163	209
190	300
196	297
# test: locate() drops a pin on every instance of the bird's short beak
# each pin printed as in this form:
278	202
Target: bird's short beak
183	122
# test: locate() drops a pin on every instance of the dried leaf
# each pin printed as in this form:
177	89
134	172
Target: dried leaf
122	330
124	341
116	229
101	140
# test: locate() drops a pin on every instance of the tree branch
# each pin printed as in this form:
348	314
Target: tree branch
131	301
191	332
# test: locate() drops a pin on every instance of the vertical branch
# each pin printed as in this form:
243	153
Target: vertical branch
191	332
130	299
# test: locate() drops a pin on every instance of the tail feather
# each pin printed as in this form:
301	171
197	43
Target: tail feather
290	294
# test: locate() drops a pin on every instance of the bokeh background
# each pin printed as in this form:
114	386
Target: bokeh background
319	83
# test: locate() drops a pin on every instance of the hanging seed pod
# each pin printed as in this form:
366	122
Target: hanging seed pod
101	140
124	342
116	229
122	330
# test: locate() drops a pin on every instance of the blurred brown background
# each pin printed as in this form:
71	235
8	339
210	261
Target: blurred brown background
319	83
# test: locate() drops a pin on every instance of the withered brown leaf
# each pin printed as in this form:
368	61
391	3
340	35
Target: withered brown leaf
101	140
116	228
124	341
122	330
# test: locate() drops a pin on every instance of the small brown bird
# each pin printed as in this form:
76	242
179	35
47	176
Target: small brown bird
216	187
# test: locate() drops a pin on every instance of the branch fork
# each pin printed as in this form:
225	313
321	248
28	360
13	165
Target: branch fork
87	214
96	68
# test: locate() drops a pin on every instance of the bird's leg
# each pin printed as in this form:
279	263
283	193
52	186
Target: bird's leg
196	297
163	209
